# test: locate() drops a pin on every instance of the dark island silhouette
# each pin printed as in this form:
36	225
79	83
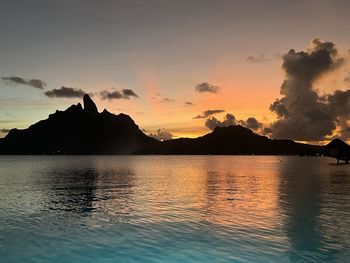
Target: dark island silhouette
85	131
78	130
339	150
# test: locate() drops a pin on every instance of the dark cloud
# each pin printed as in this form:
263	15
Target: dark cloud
301	113
115	94
339	106
161	135
111	95
207	87
65	92
251	123
279	108
207	113
339	103
212	122
166	99
189	103
129	93
14	80
261	58
266	130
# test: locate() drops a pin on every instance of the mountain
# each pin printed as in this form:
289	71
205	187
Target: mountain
84	130
78	130
232	140
339	150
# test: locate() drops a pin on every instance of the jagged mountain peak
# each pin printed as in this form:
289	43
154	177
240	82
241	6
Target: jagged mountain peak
77	130
89	104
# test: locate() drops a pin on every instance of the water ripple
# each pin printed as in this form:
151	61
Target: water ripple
173	209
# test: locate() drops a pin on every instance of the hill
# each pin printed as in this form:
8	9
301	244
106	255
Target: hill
232	140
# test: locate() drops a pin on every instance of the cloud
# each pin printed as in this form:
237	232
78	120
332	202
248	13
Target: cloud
339	103
111	95
65	92
251	123
123	94
14	80
207	113
166	99
266	130
212	122
129	93
189	103
301	113
207	87
229	120
161	98
161	135
339	106
261	58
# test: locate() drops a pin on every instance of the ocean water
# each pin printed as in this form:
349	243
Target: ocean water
173	209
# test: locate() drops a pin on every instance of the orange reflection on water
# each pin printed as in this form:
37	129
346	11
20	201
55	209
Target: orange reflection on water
224	190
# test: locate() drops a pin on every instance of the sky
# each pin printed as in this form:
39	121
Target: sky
181	68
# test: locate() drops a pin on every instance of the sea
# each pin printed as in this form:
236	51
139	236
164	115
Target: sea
174	209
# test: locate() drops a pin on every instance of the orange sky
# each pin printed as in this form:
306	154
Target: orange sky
161	50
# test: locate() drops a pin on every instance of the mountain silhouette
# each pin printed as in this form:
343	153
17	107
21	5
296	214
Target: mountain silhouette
232	140
84	130
78	130
339	150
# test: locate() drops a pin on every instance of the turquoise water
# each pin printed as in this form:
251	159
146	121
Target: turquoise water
174	209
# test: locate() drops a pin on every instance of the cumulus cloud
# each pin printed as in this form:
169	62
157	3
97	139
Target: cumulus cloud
161	135
339	107
207	113
261	58
251	123
301	113
116	94
207	87
34	83
212	122
229	120
339	103
65	92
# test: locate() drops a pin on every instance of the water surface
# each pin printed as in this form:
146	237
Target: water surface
173	209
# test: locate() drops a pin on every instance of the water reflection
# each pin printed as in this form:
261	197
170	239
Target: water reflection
300	198
307	192
195	208
74	191
92	187
246	198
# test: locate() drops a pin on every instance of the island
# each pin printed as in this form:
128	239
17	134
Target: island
83	130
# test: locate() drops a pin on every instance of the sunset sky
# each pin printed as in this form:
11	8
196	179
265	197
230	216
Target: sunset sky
180	65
